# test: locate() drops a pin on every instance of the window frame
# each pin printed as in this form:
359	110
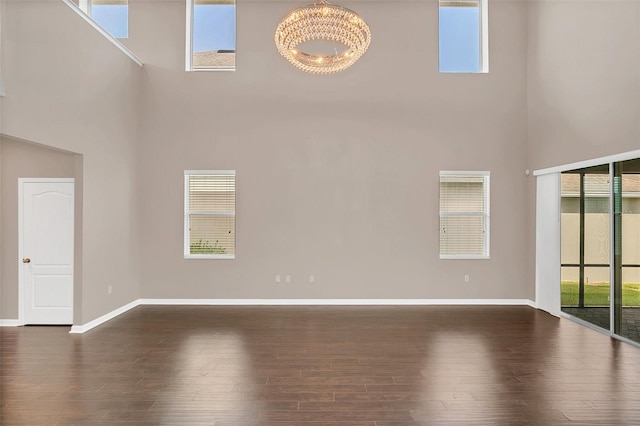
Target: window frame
87	7
189	42
486	213
483	38
188	213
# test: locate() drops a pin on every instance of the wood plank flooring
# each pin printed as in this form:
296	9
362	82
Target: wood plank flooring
320	366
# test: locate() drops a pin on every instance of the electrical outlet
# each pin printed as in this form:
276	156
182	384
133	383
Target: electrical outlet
466	278
288	278
277	278
312	278
109	289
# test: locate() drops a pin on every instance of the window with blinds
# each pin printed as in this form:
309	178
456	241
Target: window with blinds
209	214
464	215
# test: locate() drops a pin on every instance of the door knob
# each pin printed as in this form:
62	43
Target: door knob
26	260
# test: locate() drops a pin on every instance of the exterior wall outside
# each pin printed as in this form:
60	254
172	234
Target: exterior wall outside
597	247
597	233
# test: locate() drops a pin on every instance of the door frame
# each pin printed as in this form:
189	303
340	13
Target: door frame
21	278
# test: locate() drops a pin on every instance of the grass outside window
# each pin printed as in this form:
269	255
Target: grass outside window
598	294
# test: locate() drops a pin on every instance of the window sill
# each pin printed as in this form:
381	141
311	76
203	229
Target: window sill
210	69
463	72
210	256
465	256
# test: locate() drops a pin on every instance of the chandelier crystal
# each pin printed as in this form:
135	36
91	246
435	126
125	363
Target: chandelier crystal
325	22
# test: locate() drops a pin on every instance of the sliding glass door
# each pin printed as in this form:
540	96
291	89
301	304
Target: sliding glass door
585	227
600	246
626	190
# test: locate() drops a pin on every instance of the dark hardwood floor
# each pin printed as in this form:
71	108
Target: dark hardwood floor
320	366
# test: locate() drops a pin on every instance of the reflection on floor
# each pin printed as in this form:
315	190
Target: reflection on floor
600	316
320	365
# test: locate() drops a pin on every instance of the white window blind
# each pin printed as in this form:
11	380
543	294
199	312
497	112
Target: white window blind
210	214
464	215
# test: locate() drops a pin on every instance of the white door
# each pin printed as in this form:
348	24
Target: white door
46	250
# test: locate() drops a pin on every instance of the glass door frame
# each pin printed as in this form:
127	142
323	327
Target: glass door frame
616	265
603	169
548	237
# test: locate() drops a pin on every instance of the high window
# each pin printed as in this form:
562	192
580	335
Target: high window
464	215
209	214
112	15
463	36
211	35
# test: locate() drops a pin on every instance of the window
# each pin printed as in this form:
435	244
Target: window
464	215
209	214
211	35
112	15
463	36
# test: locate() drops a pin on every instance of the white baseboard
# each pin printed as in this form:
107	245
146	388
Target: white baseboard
290	302
96	322
336	302
9	323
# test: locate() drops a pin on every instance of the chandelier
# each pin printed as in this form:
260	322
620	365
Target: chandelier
322	21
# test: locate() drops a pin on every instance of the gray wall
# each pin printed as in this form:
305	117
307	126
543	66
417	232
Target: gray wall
583	80
337	176
2	316
69	88
20	159
1	55
583	85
